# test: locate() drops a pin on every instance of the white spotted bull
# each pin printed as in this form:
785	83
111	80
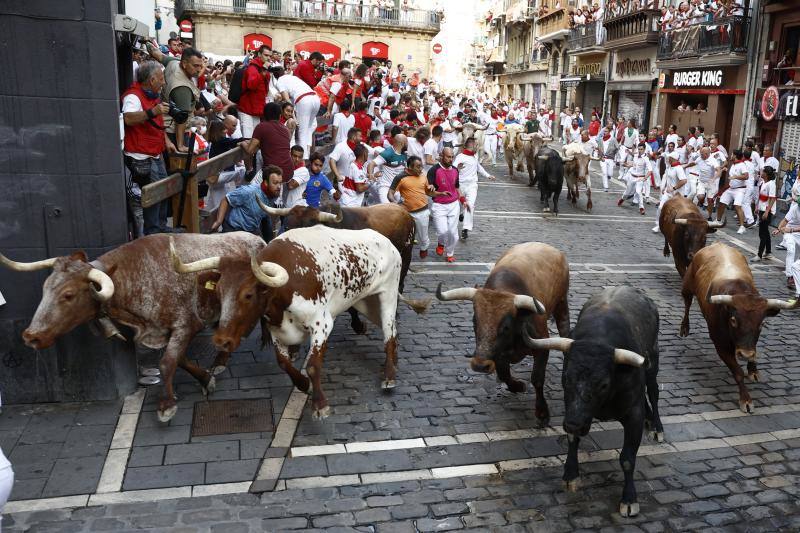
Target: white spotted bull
300	283
135	285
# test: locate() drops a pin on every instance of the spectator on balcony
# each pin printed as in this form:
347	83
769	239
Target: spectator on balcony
579	18
683	107
255	85
786	76
700	108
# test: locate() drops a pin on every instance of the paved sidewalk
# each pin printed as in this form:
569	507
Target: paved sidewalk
447	449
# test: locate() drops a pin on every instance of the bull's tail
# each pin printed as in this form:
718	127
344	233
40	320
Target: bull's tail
419	306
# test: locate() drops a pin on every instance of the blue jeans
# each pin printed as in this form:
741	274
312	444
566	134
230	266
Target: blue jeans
155	216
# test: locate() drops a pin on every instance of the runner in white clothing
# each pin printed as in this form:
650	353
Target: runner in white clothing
306	106
469	168
639	165
673	180
735	194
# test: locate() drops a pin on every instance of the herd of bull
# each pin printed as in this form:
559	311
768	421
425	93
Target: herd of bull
166	289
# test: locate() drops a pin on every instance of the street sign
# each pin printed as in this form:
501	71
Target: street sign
437	48
186	26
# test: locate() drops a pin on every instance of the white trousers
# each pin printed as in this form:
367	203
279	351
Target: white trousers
691	186
383	191
664	197
790	241
470	191
635	189
490	146
607	166
249	123
6	484
306	112
421	220
445	222
738	197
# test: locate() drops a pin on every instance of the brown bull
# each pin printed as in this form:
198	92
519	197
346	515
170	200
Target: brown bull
528	284
390	220
531	145
685	230
513	148
576	172
733	308
135	285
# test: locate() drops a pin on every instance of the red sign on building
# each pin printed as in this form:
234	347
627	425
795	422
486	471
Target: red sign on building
252	41
374	50
329	51
437	48
186	26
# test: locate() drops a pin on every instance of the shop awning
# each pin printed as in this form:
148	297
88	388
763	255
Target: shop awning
374	50
630	85
329	51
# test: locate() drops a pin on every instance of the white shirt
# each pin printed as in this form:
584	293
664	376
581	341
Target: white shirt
692	141
793	216
301	176
589	147
630	140
293	86
430	148
342	156
771	162
768	190
468	173
343	124
350	197
415	148
737	170
671	138
641	164
672	176
705	169
573	135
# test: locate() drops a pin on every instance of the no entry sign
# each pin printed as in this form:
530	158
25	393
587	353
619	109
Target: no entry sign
186	26
437	48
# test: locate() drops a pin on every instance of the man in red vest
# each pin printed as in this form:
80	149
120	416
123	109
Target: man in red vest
145	141
254	90
308	69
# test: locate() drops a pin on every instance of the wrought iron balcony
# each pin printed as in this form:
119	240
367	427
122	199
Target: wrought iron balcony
723	36
627	28
585	36
344	12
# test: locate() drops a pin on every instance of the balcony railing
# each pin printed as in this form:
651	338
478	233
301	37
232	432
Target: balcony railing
632	28
347	11
552	22
623	8
722	36
586	36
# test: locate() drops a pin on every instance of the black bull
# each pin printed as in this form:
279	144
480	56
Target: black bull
550	174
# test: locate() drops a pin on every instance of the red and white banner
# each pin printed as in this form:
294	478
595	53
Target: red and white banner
329	51
252	41
375	50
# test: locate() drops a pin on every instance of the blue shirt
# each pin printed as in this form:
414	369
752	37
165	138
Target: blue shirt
316	184
244	212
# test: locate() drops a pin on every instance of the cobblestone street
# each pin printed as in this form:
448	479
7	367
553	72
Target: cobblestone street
447	449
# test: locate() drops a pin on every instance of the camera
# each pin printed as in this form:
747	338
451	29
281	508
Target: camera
178	115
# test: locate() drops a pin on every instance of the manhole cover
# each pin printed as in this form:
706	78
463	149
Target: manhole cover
225	417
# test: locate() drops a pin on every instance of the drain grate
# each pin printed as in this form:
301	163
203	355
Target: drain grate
226	417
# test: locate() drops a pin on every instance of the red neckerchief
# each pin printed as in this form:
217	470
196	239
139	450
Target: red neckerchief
467	152
651	139
494	115
352	145
376	144
346	113
676	164
576	127
299	165
359	164
606	136
692	137
715	150
739	161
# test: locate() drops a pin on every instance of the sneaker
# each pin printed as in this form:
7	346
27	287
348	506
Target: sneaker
451	259
741	230
780	246
751	224
606	189
641	210
423	254
440	249
620	202
655	229
767	257
464	234
755	259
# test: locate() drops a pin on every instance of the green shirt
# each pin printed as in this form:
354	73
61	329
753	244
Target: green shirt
532	126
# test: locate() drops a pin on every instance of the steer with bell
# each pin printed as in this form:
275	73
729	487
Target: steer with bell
134	285
528	284
685	230
300	283
721	280
610	371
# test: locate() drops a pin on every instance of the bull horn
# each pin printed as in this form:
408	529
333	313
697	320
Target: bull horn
561	344
522	301
570	158
721	299
100	278
774	303
27	267
274	211
718	223
682	221
270	274
627	357
465	293
329	217
543	157
209	263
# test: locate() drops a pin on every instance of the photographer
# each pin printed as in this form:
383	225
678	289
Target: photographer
180	91
143	114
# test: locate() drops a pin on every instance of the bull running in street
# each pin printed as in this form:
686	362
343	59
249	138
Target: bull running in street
610	362
721	280
528	284
684	229
134	285
300	283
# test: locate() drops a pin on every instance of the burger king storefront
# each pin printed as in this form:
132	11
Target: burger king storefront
712	97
